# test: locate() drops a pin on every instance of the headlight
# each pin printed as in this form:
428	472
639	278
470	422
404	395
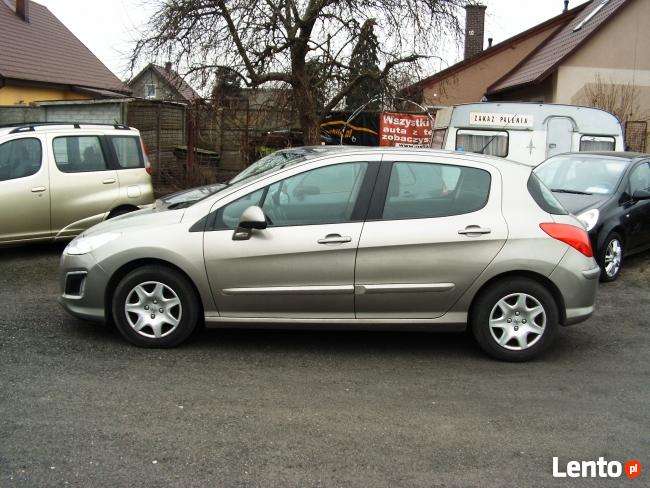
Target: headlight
589	218
84	245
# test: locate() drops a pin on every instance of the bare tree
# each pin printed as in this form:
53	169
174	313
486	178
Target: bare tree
618	99
305	44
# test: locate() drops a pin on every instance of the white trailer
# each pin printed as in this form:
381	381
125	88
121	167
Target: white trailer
527	132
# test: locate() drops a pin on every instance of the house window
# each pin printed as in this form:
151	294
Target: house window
597	143
149	91
494	143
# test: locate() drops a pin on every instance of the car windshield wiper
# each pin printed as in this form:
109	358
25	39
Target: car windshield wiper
178	205
574	192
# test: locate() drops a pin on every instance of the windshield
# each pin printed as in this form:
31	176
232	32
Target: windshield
583	175
277	160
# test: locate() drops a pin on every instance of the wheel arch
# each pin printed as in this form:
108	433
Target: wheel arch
619	229
126	268
539	278
121	209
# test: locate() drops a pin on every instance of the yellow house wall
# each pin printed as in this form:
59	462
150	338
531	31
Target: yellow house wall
471	83
12	95
618	53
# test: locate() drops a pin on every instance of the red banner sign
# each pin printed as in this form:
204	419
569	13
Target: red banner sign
404	130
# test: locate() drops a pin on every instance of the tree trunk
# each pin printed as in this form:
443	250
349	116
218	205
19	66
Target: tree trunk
310	126
307	108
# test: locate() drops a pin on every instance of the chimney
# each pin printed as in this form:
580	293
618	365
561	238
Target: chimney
474	26
22	9
566	5
168	66
490	40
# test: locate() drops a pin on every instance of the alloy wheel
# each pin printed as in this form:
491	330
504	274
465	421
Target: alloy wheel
613	257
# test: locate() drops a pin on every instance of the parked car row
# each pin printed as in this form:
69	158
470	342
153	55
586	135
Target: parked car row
328	236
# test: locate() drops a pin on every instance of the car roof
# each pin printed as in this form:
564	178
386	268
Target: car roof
312	152
40	127
608	154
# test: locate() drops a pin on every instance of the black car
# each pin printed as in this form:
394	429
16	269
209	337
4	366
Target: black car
610	193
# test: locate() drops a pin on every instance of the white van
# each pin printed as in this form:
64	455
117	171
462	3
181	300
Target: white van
527	132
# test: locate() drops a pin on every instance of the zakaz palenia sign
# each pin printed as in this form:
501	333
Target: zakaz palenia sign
486	119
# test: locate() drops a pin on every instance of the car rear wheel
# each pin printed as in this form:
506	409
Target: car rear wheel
155	306
515	319
611	258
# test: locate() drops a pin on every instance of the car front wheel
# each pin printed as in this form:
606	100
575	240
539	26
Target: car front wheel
155	306
611	258
515	319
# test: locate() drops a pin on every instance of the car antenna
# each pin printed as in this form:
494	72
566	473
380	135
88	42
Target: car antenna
495	135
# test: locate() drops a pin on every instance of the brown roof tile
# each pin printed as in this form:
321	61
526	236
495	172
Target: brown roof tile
555	22
542	61
44	50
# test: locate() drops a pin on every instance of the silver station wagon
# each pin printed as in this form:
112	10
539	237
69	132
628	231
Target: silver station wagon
349	238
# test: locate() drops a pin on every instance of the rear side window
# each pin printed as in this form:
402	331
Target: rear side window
597	143
544	197
426	190
79	154
493	143
20	158
127	151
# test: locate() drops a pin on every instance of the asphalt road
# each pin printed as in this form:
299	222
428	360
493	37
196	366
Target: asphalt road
80	407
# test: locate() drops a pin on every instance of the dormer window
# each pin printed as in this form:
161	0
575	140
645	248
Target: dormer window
590	16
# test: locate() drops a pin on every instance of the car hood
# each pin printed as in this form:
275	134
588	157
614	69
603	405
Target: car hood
150	217
576	204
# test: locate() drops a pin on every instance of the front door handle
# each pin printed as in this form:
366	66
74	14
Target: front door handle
38	189
334	239
474	231
109	181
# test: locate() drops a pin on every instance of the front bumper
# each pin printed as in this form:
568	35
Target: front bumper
83	283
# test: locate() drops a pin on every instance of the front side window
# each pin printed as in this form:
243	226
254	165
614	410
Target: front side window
426	190
20	158
128	151
493	143
325	195
79	154
597	143
640	178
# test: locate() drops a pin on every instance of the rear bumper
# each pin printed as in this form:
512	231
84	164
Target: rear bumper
85	301
577	278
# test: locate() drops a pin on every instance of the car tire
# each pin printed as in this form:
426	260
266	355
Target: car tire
139	299
515	319
611	258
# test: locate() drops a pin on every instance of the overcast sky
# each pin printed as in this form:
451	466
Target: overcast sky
109	27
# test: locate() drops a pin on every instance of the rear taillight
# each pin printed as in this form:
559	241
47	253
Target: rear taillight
147	163
576	237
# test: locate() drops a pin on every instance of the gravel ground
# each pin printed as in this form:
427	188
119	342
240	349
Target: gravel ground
80	407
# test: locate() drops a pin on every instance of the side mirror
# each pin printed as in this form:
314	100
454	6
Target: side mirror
251	218
641	195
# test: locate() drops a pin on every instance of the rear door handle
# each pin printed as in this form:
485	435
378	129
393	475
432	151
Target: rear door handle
474	231
109	181
334	239
38	189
